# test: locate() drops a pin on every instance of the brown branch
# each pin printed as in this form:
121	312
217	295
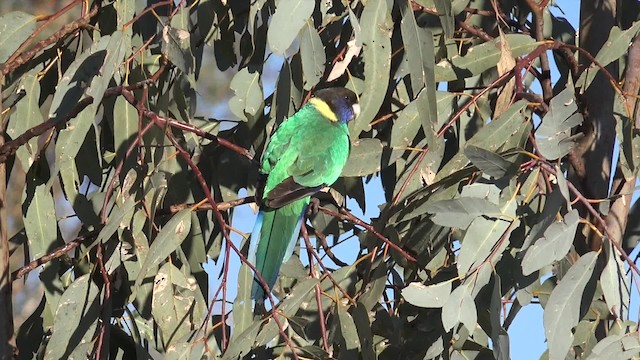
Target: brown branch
538	10
327	248
348	216
55	254
223	206
146	10
623	187
7	339
10	148
103	337
318	290
48	20
594	213
15	61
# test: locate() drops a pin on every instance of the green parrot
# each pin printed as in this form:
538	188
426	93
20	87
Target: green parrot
306	153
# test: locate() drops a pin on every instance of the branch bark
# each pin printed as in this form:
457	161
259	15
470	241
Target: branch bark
595	150
7	340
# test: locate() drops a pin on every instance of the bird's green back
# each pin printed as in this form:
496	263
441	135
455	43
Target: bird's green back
307	146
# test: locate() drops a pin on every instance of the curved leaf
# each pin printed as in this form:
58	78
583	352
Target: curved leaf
562	310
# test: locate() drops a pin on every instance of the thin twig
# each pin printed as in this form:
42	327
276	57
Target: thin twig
348	216
55	254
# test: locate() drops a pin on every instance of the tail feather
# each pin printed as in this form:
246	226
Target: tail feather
273	239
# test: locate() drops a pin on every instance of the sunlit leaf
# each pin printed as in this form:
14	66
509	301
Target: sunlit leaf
562	311
429	296
289	18
15	28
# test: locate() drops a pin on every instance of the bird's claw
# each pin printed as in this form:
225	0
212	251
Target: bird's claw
314	206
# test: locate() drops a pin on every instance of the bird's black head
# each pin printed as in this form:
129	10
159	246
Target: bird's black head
337	104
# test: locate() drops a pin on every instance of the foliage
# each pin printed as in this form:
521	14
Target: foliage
482	215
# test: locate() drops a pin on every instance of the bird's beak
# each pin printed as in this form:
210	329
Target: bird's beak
356	110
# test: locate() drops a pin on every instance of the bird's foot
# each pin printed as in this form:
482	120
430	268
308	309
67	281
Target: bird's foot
314	207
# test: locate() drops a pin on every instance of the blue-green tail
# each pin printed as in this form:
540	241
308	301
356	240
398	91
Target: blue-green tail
273	239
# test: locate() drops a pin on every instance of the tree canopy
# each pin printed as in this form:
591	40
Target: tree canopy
504	186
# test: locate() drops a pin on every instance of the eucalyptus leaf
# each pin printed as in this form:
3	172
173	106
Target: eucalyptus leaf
561	312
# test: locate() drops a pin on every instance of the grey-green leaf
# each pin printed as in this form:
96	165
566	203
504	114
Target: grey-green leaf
26	116
614	283
491	137
176	44
348	329
76	319
427	296
242	310
482	57
554	136
364	158
460	308
167	241
487	161
562	311
289	18
312	55
177	304
553	246
376	27
487	236
460	212
248	99
15	28
40	222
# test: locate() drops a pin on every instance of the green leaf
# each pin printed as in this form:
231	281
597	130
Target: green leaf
287	308
628	137
26	116
364	158
248	99
487	236
176	44
363	325
553	246
243	343
348	331
312	54
554	136
446	16
376	27
75	323
562	310
286	22
242	311
616	347
418	45
40	222
487	161
491	137
406	126
617	45
460	308
614	283
376	286
499	335
15	29
95	67
482	57
167	241
427	296
125	124
177	306
460	212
